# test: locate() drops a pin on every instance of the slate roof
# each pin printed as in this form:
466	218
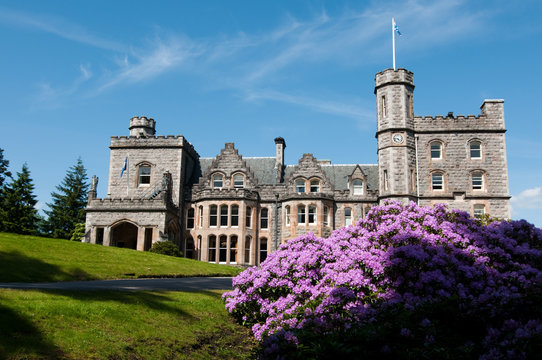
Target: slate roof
262	167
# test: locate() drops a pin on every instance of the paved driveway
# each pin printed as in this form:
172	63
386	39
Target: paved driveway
180	284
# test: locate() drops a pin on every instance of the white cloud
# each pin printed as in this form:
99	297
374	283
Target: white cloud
528	199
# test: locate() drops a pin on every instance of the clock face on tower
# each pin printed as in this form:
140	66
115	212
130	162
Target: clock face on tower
397	138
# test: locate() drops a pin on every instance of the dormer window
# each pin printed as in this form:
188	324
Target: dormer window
315	186
358	186
218	181
300	186
238	181
144	175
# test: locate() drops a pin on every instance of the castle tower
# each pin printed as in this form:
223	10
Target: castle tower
141	126
394	90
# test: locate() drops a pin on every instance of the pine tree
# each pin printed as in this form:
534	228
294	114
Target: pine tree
68	206
18	213
3	169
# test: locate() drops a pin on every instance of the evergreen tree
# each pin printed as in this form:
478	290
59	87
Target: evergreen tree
3	169
18	213
68	206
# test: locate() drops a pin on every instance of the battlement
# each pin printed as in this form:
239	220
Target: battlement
126	204
152	142
390	77
142	126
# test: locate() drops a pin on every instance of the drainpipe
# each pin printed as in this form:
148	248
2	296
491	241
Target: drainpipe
276	222
417	172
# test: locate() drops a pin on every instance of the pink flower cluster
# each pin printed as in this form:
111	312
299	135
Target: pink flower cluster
399	255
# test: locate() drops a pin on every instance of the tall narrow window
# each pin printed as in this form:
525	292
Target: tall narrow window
234	216
300	186
144	175
199	247
200	216
477	181
248	245
287	216
315	186
233	249
190	218
189	248
347	216
386	184
412	180
312	214
218	181
264	218
437	181
475	150
248	219
358	186
326	216
479	210
409	106
383	105
436	150
213	215
212	248
238	181
223	251
223	215
263	249
301	214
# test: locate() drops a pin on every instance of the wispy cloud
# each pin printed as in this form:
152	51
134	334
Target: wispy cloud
528	199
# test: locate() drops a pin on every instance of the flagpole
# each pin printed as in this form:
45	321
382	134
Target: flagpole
393	40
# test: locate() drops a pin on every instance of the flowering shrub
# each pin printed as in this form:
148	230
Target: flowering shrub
406	282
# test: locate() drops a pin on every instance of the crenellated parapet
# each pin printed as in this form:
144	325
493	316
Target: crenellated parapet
223	194
123	204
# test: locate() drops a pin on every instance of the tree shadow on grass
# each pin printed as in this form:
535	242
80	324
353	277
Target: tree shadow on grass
17	267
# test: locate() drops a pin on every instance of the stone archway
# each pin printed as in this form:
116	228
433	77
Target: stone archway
124	235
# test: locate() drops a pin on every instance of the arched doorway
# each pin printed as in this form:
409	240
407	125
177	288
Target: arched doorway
124	235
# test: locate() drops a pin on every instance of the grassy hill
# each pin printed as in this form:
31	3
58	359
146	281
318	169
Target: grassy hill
36	259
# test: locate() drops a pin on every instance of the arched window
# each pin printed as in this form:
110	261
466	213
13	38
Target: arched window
248	245
199	247
300	186
475	150
315	186
358	186
144	175
238	181
218	181
200	216
479	210
213	215
347	216
223	251
190	218
312	214
301	214
248	219
212	248
436	150
223	215
477	179
437	181
263	249
287	215
189	248
264	218
234	216
233	249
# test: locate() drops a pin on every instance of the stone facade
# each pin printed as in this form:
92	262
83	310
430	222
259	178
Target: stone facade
234	209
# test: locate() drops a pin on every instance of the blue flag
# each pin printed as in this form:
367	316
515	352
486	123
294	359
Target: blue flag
396	28
124	167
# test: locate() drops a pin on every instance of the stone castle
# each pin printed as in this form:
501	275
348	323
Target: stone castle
235	210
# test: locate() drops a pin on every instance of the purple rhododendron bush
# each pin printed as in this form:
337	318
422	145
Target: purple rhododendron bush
406	282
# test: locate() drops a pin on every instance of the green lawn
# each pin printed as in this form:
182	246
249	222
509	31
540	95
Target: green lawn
36	259
119	325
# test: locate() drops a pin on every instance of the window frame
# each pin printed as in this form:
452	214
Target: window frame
360	188
235	183
440	150
190	219
314	186
148	176
480	181
234	216
213	215
211	249
471	143
263	251
215	180
434	183
248	217
264	218
311	214
476	207
301	214
224	215
287	212
348	218
300	184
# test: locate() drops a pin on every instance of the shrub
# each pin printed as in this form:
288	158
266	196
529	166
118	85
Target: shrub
165	248
78	232
406	282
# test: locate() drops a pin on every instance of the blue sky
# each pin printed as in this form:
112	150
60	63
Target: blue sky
73	73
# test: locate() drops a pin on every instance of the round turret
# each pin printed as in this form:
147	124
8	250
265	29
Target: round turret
141	126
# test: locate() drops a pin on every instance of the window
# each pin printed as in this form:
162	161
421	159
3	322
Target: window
437	181
212	248
412	180
217	181
233	249
301	214
249	217
238	181
315	186
190	219
479	210
189	248
223	251
347	216
144	175
300	186
234	216
477	180
287	216
326	216
386	184
367	209
358	186
248	244
436	150
223	215
312	214
383	105
199	247
410	113
200	217
213	215
475	150
263	249
264	213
